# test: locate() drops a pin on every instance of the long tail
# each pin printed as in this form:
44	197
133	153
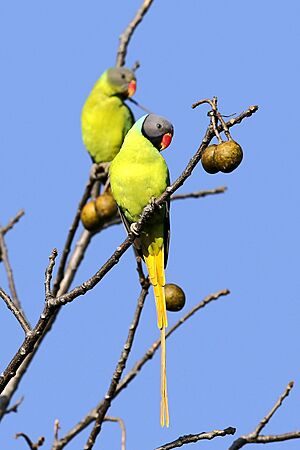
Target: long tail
155	266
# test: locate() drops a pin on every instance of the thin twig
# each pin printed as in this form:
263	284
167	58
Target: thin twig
190	438
49	272
9	272
12	222
16	311
52	306
14	408
139	105
277	405
56	429
199	194
122	426
136	66
92	414
127	34
255	438
71	234
102	410
31	445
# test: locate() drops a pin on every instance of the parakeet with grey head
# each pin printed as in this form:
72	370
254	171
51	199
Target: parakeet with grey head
138	174
105	118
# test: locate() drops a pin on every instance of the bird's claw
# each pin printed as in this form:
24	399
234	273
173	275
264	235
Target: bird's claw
133	229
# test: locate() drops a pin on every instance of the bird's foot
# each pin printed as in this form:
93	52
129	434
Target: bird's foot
94	171
151	205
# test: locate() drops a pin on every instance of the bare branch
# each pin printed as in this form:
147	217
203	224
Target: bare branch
190	438
255	438
101	411
31	445
127	34
49	272
15	407
277	405
12	222
71	234
139	105
91	416
122	426
56	429
199	194
9	272
16	311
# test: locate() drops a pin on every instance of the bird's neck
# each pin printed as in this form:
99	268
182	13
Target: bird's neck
102	87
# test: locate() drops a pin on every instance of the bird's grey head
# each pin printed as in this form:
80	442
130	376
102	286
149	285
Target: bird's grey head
158	130
122	80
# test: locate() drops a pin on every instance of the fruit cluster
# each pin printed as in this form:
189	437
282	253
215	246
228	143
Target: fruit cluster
96	212
223	157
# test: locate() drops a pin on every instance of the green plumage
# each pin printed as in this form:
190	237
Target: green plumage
105	120
137	174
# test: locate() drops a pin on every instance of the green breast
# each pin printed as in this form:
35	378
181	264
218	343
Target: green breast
137	174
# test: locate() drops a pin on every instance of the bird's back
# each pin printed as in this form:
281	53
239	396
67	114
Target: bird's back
105	121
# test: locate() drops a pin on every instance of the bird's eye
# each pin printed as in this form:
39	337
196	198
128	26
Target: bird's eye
158	125
123	76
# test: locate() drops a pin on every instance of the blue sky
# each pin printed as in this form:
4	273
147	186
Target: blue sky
228	364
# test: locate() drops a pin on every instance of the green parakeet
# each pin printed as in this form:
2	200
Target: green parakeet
137	175
105	118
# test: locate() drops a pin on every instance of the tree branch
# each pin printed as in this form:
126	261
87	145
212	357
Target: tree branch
200	194
12	222
14	408
128	32
9	272
71	234
255	438
92	414
122	426
190	438
102	410
16	311
49	272
31	445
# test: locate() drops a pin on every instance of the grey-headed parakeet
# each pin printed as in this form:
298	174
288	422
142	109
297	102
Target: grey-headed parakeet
138	174
105	118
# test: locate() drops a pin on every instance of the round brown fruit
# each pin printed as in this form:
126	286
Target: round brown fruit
175	297
228	156
106	206
207	159
89	216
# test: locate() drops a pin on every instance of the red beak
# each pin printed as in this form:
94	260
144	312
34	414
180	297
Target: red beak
166	141
131	88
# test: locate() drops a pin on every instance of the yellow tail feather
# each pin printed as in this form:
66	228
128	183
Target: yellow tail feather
164	407
155	266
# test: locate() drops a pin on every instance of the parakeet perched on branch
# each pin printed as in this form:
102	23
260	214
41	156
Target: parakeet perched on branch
105	118
137	175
